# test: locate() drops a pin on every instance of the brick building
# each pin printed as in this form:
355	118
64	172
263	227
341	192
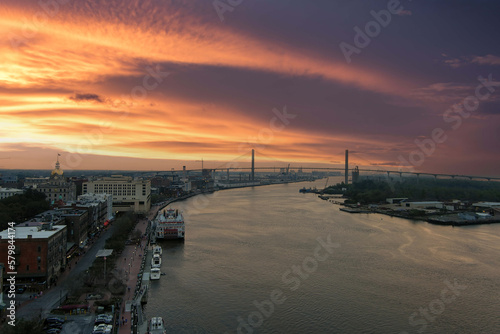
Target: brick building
40	253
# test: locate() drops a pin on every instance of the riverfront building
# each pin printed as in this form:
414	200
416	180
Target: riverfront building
77	222
40	253
129	194
99	207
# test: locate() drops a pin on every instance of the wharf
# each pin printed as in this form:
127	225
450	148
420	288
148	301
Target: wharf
354	210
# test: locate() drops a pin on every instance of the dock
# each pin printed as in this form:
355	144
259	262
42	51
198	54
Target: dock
355	210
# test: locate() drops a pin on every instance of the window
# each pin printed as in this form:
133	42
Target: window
39	249
27	267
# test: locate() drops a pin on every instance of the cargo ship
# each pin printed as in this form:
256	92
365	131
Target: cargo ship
170	225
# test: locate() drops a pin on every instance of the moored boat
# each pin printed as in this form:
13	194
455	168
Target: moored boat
157	250
156	261
156	326
155	273
170	225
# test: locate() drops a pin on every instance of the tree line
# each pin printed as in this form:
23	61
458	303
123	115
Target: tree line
423	189
21	207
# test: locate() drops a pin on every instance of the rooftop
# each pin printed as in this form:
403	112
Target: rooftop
487	204
34	231
8	190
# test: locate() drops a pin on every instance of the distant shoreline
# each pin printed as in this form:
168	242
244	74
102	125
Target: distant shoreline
446	219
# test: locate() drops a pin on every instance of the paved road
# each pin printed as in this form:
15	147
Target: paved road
50	299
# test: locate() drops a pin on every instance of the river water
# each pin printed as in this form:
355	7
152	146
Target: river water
271	260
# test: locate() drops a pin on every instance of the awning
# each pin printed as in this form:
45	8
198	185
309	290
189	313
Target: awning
71	250
104	252
69	245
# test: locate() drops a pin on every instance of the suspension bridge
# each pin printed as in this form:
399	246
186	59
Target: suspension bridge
237	165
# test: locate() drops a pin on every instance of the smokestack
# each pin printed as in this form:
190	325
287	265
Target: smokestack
253	165
346	166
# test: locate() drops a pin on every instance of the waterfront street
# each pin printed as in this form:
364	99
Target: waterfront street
130	261
41	306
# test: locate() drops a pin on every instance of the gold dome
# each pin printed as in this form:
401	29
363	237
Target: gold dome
57	171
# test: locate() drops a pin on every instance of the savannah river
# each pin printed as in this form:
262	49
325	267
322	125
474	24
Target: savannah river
271	260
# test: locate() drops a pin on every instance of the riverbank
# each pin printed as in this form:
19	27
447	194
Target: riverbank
435	217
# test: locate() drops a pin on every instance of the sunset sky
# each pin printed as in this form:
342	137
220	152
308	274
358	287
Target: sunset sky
154	85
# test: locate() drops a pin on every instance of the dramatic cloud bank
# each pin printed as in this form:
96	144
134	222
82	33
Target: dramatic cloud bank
148	84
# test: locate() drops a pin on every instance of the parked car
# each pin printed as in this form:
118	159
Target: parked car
54	320
92	296
103	319
53	331
53	325
103	328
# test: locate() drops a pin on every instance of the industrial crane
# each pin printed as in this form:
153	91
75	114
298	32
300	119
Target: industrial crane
326	183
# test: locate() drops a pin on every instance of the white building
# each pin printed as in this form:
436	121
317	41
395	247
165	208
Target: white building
7	192
487	205
35	181
129	194
106	199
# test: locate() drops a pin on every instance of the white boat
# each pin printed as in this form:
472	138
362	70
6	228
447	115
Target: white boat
155	273
157	250
170	225
156	326
156	261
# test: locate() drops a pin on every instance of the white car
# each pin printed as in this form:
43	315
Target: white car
103	319
103	328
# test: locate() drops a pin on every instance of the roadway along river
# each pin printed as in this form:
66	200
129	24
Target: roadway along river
271	260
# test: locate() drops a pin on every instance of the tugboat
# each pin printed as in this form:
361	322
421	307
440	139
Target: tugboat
305	190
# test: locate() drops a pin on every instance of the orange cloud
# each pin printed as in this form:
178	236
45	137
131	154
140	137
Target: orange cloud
76	52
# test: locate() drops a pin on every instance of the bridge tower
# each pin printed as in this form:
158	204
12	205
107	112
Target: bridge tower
355	174
253	165
346	166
